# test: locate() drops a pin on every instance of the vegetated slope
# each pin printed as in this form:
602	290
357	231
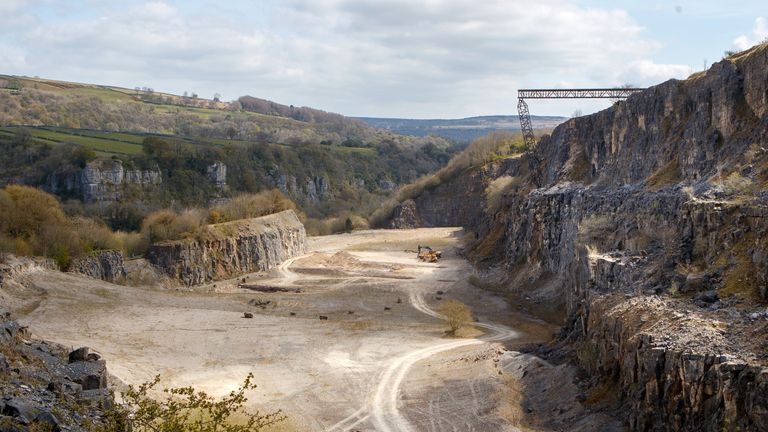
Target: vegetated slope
645	223
40	102
117	149
460	130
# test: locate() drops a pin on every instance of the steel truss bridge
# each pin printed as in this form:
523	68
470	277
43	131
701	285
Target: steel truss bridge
525	115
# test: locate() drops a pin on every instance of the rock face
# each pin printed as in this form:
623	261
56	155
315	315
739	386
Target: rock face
232	249
460	202
104	265
405	216
102	180
312	191
669	387
218	174
658	197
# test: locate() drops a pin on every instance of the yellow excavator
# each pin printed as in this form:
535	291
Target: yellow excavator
427	254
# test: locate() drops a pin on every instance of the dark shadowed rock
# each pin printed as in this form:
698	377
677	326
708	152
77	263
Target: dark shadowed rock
80	354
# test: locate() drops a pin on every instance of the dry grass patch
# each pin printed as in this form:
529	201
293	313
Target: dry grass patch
667	175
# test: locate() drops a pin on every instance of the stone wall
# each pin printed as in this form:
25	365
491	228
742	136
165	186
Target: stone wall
231	249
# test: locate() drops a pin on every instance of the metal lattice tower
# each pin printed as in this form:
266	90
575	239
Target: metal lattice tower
525	116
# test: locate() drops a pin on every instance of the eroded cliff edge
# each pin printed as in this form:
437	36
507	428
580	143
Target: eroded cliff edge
645	224
231	249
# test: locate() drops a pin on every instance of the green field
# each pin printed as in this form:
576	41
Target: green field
101	145
106	143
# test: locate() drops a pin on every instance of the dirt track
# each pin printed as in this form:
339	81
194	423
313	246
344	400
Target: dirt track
379	362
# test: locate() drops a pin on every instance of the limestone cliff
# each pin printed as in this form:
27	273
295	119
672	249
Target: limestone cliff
231	249
651	208
102	180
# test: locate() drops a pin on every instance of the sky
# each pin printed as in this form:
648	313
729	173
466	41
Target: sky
381	58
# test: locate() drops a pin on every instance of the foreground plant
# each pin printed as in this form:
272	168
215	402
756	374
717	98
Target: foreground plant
187	409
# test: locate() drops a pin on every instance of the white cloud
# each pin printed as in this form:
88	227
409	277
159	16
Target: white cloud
646	72
419	58
759	34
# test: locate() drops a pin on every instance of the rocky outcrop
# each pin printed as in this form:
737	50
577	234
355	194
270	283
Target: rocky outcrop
461	201
654	196
102	180
313	190
45	386
668	385
11	266
406	216
231	249
104	265
217	172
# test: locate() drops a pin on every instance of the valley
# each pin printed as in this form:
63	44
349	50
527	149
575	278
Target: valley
379	362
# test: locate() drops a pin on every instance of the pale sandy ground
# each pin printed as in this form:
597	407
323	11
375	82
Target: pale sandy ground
365	368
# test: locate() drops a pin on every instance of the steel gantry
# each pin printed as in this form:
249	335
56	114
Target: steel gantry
595	93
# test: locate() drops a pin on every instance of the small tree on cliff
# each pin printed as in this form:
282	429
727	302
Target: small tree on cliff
456	315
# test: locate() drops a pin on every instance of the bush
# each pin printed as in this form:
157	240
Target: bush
736	184
249	206
335	225
187	409
28	210
168	225
456	315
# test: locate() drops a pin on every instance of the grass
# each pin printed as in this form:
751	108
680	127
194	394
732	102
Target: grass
106	143
739	279
604	392
667	175
486	247
99	144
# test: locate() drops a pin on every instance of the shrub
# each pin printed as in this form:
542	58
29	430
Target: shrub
168	225
187	409
736	184
31	210
335	225
96	235
248	206
596	228
456	315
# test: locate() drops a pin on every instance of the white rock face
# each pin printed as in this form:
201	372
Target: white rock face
102	180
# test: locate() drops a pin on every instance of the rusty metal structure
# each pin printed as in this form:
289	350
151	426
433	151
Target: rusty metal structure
595	93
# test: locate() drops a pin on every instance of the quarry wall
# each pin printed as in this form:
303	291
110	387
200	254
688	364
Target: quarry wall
231	249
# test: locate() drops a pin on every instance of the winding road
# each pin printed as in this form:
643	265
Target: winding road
381	408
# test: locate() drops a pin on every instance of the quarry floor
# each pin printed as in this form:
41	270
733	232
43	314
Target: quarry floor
379	362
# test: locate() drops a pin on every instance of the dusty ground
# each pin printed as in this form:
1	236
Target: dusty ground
379	362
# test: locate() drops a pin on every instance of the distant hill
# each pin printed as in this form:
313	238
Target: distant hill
461	130
26	101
